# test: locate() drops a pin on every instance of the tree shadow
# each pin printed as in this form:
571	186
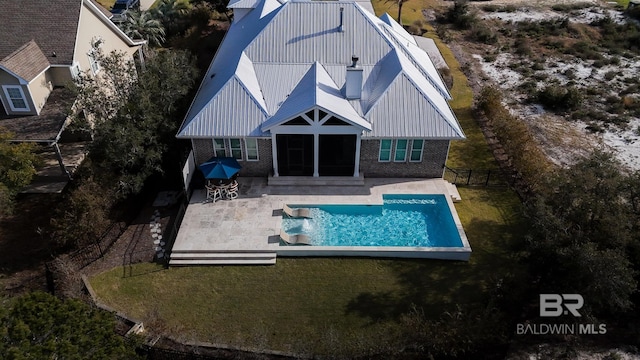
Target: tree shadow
436	286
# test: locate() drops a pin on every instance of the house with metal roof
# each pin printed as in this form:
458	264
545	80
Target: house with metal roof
43	45
312	89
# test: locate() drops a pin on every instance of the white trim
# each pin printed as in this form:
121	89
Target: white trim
94	61
246	148
395	152
215	149
380	150
111	25
232	149
6	88
20	79
40	73
412	150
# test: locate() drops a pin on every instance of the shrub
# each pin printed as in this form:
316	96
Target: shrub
559	98
460	16
569	73
522	46
517	140
610	75
571	7
483	34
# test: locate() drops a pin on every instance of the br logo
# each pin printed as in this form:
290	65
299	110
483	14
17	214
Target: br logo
553	305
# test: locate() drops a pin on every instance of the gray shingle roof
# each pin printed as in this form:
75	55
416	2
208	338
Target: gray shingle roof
52	24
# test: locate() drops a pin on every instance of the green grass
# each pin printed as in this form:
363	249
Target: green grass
317	305
331	305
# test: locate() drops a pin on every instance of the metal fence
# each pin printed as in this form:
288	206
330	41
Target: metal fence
472	177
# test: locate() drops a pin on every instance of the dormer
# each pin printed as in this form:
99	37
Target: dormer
24	80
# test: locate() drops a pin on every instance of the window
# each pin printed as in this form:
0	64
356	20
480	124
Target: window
416	151
75	70
93	61
218	147
385	150
17	100
401	150
236	148
251	145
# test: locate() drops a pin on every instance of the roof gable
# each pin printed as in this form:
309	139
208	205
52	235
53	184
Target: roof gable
316	89
26	62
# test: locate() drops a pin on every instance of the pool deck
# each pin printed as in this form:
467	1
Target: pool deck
245	230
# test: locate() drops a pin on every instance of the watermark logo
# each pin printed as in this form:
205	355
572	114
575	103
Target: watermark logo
554	305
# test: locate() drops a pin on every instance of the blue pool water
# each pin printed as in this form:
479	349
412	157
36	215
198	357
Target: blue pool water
402	220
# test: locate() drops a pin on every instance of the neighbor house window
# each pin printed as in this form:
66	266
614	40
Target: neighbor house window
236	148
251	145
218	147
93	61
385	150
17	100
416	150
401	150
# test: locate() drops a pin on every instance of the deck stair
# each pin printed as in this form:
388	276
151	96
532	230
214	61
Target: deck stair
453	192
222	257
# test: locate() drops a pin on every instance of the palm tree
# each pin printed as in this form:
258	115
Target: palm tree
142	25
400	3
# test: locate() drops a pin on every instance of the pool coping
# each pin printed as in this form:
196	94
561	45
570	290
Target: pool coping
462	253
245	231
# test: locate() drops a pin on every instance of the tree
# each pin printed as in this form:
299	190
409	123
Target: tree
41	326
17	167
217	5
585	232
173	15
136	122
143	25
400	3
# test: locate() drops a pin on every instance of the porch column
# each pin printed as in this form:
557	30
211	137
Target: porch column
316	154
274	154
356	167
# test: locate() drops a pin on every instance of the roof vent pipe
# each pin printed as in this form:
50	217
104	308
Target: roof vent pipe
341	27
353	83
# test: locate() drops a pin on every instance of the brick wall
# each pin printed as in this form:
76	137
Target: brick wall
203	151
434	156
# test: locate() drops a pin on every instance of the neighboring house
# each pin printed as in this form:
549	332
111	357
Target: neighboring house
43	45
321	88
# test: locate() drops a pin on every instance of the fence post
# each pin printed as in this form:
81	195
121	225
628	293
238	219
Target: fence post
469	177
486	183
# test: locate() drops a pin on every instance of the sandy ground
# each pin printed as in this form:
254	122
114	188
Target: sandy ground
563	140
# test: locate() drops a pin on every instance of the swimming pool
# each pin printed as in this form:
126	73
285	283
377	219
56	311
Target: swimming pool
407	225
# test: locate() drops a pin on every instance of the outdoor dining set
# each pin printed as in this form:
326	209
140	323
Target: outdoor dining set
221	174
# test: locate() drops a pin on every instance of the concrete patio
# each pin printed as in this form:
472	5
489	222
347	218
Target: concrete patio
244	230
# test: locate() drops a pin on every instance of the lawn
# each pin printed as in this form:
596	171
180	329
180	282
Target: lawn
332	306
328	306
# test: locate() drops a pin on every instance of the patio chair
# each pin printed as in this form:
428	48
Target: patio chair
297	239
296	213
213	193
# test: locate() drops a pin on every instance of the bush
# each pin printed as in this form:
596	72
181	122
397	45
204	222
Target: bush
482	33
517	140
560	98
460	16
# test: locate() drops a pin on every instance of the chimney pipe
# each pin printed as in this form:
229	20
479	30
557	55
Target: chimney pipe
341	27
353	83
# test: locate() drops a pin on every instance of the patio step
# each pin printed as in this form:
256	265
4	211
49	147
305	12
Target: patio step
316	181
453	192
187	262
222	258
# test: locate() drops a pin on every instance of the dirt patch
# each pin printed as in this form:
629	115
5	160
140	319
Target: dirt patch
24	247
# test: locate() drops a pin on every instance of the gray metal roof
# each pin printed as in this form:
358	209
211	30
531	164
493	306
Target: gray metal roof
266	54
